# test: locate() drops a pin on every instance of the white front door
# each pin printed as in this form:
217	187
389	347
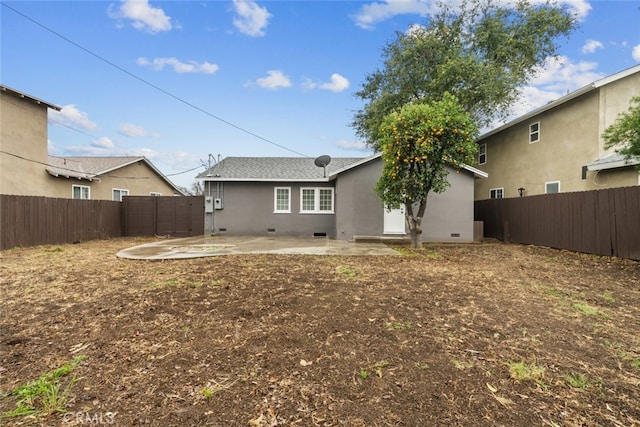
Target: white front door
394	221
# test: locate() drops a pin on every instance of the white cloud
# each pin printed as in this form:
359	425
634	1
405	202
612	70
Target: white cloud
337	84
580	8
561	74
178	66
636	53
372	13
101	147
352	145
275	80
131	130
591	46
103	143
556	78
72	117
144	16
251	19
52	148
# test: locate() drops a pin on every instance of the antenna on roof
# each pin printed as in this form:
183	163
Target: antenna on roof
322	162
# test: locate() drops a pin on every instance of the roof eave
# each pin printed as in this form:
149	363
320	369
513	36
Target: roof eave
19	94
476	172
72	175
612	165
223	179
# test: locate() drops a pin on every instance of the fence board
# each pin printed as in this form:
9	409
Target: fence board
603	222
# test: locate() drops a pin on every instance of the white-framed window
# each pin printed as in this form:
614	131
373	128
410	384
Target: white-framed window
534	132
496	193
118	193
282	199
316	200
80	192
552	187
482	154
155	193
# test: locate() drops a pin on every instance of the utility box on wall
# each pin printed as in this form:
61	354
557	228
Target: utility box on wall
208	205
217	203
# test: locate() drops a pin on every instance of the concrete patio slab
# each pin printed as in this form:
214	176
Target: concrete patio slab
206	246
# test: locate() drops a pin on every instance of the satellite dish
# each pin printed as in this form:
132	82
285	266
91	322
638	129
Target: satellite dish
322	162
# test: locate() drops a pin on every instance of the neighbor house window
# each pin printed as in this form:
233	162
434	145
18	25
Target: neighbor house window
534	132
496	193
552	187
118	193
81	192
153	193
482	154
282	199
316	200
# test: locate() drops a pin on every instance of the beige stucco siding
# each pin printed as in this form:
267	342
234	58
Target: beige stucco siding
614	99
23	131
137	178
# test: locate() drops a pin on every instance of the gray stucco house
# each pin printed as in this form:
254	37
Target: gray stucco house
294	197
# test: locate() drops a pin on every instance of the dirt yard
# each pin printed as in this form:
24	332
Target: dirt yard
470	335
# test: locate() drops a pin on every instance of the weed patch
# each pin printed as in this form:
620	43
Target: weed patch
395	325
577	381
377	369
47	394
522	371
588	310
347	271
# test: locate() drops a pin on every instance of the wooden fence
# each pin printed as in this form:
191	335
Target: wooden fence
30	221
162	216
602	222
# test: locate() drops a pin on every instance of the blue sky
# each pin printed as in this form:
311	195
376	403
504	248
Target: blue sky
177	81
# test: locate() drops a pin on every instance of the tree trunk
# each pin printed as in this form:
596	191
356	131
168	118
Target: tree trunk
415	229
415	223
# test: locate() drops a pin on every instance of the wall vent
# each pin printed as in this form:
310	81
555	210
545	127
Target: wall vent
455	234
320	234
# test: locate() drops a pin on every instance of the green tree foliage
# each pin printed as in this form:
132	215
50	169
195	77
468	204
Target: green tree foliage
419	143
480	51
625	132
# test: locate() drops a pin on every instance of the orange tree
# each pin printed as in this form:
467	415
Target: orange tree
419	144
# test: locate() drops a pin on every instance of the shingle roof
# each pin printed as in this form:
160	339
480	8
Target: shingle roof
274	169
91	168
295	169
101	165
68	168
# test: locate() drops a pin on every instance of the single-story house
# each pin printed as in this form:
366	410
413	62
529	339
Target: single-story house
295	197
107	178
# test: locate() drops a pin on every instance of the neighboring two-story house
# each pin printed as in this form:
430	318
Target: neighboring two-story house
26	169
559	147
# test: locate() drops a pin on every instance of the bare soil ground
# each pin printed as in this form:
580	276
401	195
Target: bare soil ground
485	334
